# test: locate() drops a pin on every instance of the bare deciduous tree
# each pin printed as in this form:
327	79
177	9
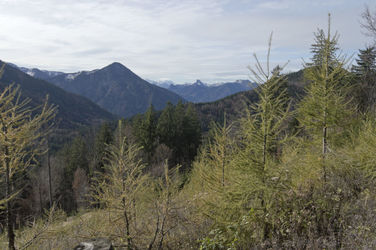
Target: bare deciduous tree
369	22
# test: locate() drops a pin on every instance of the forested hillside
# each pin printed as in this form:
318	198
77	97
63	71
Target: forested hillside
235	106
288	165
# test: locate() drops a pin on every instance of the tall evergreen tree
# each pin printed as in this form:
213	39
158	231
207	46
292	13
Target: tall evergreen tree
365	74
166	128
191	133
146	132
177	145
103	138
75	156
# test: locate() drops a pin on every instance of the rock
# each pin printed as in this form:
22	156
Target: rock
95	244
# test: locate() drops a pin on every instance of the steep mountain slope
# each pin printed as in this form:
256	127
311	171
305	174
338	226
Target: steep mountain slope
234	106
116	89
73	111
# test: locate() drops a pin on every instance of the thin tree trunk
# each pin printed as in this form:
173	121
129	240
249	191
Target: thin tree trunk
9	217
156	230
49	175
40	199
324	149
223	165
224	133
127	228
127	233
266	225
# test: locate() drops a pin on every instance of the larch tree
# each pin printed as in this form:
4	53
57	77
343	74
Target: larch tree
263	133
211	168
250	187
23	130
324	110
119	187
324	47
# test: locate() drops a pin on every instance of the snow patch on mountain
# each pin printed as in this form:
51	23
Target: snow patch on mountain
72	76
30	72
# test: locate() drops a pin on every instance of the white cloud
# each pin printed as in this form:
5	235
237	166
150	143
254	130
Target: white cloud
179	40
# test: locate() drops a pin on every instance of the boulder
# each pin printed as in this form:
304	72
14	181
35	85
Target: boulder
95	244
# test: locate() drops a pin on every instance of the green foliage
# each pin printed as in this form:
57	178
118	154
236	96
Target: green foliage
103	138
325	48
146	132
365	79
120	187
361	152
166	127
256	183
191	134
244	182
179	129
324	112
75	156
260	179
212	168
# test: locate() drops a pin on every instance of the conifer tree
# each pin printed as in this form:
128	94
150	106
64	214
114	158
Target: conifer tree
212	177
118	189
177	144
22	133
75	157
365	78
146	132
263	131
191	136
323	46
103	138
254	176
213	162
324	109
166	125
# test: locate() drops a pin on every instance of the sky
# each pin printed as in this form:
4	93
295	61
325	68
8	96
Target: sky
178	40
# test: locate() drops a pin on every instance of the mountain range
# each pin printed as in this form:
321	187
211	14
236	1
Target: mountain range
201	92
74	111
118	90
115	88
